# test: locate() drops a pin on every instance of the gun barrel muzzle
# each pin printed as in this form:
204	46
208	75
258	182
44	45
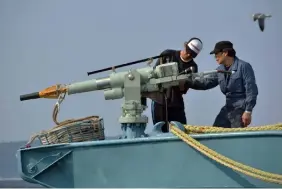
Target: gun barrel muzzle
30	96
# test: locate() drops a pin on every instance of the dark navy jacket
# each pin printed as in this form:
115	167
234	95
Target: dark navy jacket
241	90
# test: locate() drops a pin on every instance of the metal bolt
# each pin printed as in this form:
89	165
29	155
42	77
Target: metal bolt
31	168
130	76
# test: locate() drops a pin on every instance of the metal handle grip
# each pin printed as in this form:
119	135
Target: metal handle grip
30	96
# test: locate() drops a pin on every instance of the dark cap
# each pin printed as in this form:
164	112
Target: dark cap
222	45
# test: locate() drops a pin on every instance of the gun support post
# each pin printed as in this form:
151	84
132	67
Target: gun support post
133	123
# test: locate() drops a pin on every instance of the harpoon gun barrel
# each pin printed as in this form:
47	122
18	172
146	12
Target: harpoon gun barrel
115	80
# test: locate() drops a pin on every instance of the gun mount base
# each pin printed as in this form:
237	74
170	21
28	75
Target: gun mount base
133	130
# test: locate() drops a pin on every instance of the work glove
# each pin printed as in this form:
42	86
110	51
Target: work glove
189	82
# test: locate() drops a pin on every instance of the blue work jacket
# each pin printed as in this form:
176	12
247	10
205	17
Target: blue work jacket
240	88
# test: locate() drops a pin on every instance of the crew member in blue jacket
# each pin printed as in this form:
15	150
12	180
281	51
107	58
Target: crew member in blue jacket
240	87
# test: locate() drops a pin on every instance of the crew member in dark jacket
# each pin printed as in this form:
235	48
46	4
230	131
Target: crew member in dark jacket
240	87
169	106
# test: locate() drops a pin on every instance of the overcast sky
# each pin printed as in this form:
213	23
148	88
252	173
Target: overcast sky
43	43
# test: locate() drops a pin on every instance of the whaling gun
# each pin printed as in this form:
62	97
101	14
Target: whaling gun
130	85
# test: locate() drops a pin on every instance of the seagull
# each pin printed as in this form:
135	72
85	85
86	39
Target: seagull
260	17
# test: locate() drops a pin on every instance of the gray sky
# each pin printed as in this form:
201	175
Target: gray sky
43	43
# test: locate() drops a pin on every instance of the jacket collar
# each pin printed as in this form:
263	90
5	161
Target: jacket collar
233	67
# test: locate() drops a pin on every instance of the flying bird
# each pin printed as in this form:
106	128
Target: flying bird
261	19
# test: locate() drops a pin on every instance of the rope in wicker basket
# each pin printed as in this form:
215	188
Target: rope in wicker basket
72	130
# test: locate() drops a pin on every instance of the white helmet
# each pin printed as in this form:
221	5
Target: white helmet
195	45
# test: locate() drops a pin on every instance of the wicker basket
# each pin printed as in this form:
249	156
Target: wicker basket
89	129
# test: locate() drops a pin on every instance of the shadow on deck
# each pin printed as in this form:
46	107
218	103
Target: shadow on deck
17	183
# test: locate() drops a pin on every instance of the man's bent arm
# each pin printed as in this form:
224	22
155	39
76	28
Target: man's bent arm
205	83
165	52
250	86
